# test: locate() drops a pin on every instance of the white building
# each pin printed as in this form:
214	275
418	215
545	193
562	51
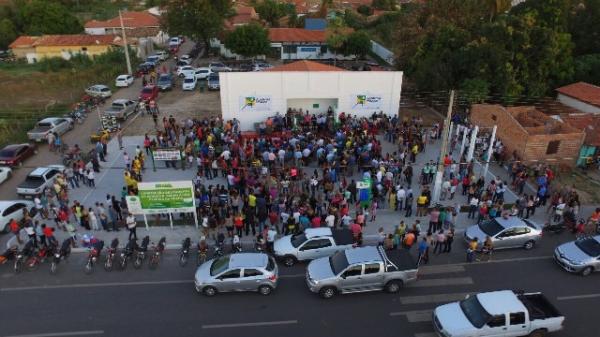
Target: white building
581	96
252	97
302	44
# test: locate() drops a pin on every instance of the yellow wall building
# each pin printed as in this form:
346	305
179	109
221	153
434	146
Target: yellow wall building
35	48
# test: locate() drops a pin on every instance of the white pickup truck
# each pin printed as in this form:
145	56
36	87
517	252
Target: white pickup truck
498	313
313	243
38	180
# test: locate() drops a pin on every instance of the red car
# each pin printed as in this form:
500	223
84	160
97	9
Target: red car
14	155
150	92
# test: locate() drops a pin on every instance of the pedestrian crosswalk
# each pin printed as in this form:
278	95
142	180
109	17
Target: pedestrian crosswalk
418	309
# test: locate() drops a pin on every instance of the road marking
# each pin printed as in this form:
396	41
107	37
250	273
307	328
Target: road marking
292	276
414	316
93	285
254	324
577	297
440	282
68	333
441	269
436	298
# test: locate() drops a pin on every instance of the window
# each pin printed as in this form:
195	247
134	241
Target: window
51	174
323	49
252	272
508	233
290	49
494	118
553	147
522	230
84	49
372	268
497	321
517	318
353	271
235	273
316	244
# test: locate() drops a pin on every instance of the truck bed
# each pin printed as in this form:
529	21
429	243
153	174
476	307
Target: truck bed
401	258
538	306
342	237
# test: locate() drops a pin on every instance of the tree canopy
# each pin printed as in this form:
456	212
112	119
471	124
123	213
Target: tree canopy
249	40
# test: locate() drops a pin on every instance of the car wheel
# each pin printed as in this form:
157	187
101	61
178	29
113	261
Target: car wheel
587	271
538	333
265	290
393	286
327	292
289	261
209	291
529	244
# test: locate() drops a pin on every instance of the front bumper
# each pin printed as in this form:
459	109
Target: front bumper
566	265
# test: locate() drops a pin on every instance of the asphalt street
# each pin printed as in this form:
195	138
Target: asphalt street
163	302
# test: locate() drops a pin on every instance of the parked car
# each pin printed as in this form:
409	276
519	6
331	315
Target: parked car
162	55
509	232
145	68
12	209
311	244
43	128
99	90
186	58
124	81
38	180
5	173
155	59
361	269
213	82
121	108
237	272
498	313
218	66
260	66
580	256
149	92
246	67
165	82
185	71
14	155
189	83
202	73
175	41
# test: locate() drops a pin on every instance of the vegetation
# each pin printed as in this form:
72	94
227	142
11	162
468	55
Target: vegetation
248	40
272	11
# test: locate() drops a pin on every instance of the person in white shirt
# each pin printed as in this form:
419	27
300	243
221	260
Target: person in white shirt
400	196
271	233
330	220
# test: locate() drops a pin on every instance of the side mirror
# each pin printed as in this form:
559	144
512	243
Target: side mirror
467	297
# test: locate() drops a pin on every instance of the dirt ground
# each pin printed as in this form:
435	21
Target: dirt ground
587	183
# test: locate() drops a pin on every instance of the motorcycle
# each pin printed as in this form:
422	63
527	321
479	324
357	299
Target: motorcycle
185	251
39	257
158	250
110	254
61	254
127	253
219	246
140	253
202	250
93	256
236	245
554	228
27	251
259	244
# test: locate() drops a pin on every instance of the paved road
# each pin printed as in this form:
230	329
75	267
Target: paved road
163	302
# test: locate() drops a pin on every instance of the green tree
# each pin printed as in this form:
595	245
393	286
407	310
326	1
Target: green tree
587	69
475	90
8	33
197	19
335	38
46	17
271	11
386	5
584	26
357	43
496	7
249	40
365	10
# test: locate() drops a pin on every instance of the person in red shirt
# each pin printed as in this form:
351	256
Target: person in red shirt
356	229
316	222
15	229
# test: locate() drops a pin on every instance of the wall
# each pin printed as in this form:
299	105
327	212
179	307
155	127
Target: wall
383	52
66	51
568	149
579	105
22	52
307	104
310	55
281	86
513	136
95	31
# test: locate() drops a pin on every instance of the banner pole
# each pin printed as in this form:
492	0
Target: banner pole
146	222
171	219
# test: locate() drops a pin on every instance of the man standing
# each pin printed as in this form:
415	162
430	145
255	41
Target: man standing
131	225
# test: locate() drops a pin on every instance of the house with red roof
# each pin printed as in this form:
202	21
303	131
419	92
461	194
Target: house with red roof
137	25
302	44
581	96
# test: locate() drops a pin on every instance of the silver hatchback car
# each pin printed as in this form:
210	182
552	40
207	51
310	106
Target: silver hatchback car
237	272
579	256
510	232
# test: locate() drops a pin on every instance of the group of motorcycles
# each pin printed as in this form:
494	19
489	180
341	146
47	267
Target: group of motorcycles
132	253
33	255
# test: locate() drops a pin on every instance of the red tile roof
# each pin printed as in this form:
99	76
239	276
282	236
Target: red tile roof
296	35
130	20
76	40
588	123
585	92
305	65
23	41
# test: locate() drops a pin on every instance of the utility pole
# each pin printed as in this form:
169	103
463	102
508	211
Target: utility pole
489	152
125	44
437	187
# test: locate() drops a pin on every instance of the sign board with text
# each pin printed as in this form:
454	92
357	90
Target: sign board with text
166	197
255	103
366	101
166	154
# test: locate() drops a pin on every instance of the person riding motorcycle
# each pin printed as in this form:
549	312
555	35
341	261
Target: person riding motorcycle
235	243
97	246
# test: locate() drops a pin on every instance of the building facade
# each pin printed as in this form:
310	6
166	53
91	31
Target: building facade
581	96
63	46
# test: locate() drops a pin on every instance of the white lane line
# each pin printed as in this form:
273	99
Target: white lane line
68	333
414	316
441	269
253	324
426	334
292	276
577	297
94	285
436	298
440	282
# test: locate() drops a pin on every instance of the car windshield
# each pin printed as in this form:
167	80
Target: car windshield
589	246
35	179
7	153
474	311
298	239
338	262
491	227
213	78
44	125
219	265
189	80
104	89
164	78
147	90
